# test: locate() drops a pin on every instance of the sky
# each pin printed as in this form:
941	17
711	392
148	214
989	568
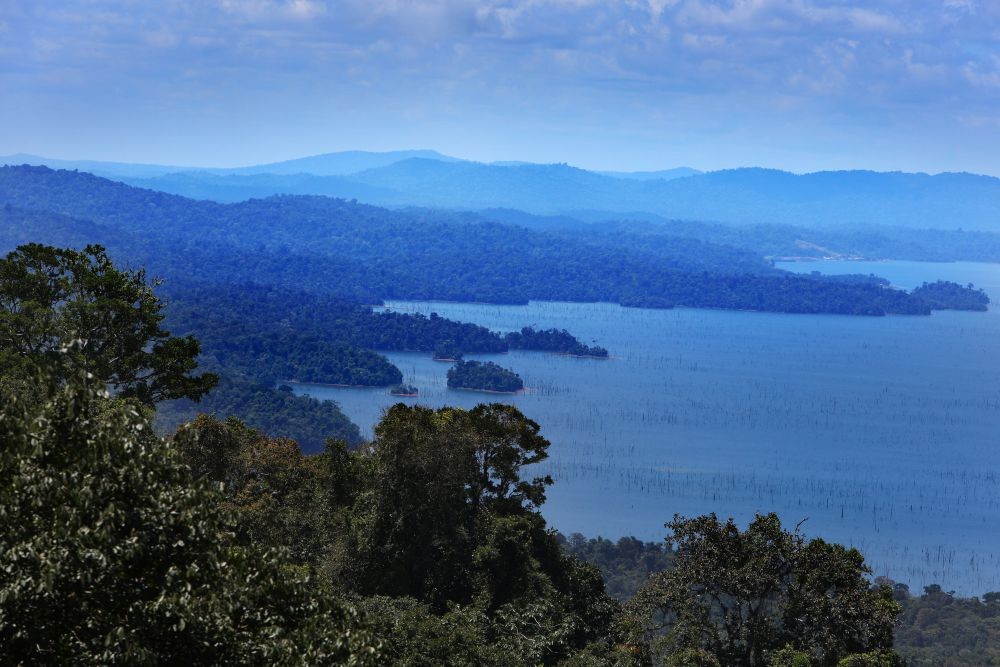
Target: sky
803	85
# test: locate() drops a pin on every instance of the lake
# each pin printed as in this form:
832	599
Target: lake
880	433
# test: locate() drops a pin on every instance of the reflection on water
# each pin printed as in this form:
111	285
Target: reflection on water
879	431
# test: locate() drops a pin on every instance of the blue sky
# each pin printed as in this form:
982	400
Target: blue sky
632	84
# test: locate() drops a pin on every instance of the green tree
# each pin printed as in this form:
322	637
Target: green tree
65	310
446	492
279	494
448	518
744	595
111	554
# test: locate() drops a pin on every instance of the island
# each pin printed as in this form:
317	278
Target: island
552	340
946	295
484	376
403	390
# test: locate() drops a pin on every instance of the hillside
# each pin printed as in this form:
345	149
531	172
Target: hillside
366	253
771	240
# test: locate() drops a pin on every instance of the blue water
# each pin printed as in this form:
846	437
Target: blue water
878	432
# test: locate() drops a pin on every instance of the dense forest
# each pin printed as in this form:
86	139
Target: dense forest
552	340
483	376
934	628
945	295
308	420
221	544
656	234
301	242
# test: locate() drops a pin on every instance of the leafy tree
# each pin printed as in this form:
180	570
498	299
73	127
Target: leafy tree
939	628
743	595
111	554
50	297
625	564
278	493
442	483
447	518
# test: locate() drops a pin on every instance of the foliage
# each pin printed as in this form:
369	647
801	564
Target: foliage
442	481
625	565
403	390
743	594
279	494
306	420
552	340
939	628
295	356
448	351
945	295
110	554
934	628
879	658
433	526
483	376
229	318
51	298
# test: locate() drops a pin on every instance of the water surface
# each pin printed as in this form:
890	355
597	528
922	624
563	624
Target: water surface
877	432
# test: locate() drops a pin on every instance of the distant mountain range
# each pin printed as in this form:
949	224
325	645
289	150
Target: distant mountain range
947	201
328	164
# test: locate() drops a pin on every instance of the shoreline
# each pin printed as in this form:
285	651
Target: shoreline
491	391
335	385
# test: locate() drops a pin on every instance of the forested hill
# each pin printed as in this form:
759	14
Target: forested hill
769	240
740	196
362	252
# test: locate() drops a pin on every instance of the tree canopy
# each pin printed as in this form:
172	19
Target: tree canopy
743	596
67	311
110	553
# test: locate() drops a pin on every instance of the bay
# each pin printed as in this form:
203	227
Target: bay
875	432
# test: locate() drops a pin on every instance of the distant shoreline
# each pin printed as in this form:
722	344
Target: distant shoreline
335	385
491	391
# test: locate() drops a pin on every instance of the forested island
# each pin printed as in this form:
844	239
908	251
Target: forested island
483	376
552	340
403	390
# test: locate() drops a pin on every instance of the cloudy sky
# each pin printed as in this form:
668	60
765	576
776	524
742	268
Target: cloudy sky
615	84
